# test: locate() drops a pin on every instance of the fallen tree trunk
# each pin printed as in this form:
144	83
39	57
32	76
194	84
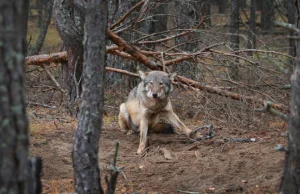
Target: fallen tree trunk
60	57
232	95
40	60
125	50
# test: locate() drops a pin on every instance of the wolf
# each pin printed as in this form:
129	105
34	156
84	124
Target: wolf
146	103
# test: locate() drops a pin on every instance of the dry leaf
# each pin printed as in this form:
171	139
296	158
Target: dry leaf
167	153
197	154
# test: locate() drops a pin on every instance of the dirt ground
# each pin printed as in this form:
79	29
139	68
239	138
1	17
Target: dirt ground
207	166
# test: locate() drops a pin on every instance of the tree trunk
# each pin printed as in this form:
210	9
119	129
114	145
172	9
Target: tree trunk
234	37
252	27
86	143
259	5
243	4
290	183
13	120
222	5
291	20
40	6
205	11
267	15
43	29
69	18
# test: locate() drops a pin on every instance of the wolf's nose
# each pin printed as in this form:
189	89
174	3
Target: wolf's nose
154	95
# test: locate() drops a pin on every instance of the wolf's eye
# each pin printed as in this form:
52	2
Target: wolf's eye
161	83
151	83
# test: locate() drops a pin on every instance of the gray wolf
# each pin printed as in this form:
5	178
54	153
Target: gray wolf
146	103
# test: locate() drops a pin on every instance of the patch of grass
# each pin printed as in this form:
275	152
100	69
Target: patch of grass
33	128
52	40
44	141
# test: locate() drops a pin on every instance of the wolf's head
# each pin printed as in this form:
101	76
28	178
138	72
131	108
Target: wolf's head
157	84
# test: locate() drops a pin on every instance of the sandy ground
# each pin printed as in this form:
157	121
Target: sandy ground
207	166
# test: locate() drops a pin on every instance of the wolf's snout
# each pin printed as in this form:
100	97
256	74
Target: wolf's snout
154	95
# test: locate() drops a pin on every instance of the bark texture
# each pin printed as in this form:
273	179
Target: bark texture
222	5
69	18
252	27
86	143
267	15
234	36
291	176
291	20
14	141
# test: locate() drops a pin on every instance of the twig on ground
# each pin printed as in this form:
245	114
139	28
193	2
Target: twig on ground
281	148
39	104
114	173
53	79
189	192
268	108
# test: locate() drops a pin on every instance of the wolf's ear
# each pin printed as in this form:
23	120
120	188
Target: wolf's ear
142	75
172	76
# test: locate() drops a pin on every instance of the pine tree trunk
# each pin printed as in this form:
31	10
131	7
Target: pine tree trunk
69	18
86	143
251	44
222	5
43	29
291	20
267	15
234	36
290	183
13	120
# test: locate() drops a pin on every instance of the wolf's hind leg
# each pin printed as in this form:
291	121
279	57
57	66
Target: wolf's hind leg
162	127
124	118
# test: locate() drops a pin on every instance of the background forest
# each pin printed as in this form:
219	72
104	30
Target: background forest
234	60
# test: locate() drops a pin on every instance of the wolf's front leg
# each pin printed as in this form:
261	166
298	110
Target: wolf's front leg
179	125
143	135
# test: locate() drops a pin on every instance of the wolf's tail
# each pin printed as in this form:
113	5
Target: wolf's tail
162	128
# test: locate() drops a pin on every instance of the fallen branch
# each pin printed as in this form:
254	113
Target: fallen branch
53	79
39	60
263	51
232	95
59	57
132	50
122	71
188	192
268	108
39	104
288	26
192	84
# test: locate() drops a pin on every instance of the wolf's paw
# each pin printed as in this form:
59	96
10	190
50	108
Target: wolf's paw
129	132
143	148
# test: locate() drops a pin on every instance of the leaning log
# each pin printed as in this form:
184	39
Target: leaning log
61	56
39	60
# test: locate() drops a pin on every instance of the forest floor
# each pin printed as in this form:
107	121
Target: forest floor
207	166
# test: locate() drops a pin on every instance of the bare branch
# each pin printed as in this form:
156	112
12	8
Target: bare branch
269	108
232	95
215	90
288	26
127	14
53	79
133	51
